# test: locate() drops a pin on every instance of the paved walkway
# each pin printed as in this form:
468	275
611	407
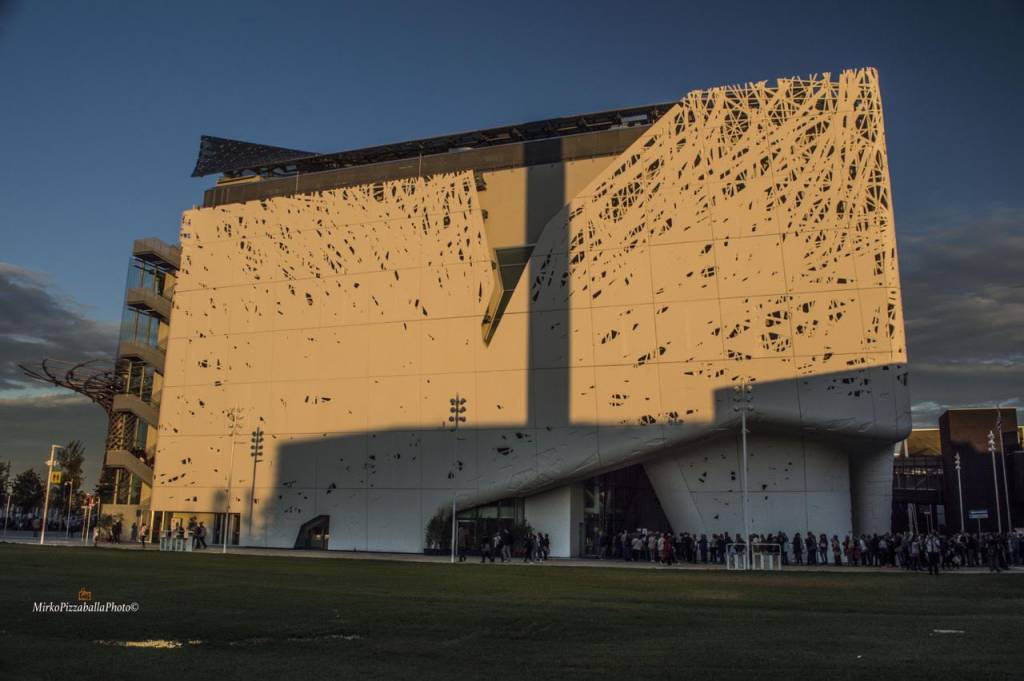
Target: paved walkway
58	539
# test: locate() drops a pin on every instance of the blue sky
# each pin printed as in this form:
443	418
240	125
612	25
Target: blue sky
103	104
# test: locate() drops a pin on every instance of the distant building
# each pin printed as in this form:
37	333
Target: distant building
918	496
965	432
593	295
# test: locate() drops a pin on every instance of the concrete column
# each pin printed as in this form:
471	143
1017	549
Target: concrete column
558	513
871	490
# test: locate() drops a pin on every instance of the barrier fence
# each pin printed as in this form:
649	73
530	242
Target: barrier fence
760	556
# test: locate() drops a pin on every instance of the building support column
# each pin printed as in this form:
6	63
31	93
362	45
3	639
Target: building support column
559	514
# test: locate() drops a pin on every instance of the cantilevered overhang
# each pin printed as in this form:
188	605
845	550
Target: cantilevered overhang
148	300
155	251
284	171
154	357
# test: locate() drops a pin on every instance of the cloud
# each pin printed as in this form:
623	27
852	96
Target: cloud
45	399
927	413
30	425
964	311
36	323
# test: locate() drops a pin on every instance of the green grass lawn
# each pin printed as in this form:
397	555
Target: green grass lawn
262	617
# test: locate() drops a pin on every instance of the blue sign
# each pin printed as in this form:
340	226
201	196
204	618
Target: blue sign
978	515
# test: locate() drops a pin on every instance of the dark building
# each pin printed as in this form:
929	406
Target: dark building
965	432
918	481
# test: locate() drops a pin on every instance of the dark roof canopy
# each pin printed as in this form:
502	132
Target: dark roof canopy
221	155
233	157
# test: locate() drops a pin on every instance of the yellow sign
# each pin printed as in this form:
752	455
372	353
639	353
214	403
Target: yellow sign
55	478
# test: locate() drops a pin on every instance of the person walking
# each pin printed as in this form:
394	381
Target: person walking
933	548
506	546
811	549
461	540
143	533
915	553
992	553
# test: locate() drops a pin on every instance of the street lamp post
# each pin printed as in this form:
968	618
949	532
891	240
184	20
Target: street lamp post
995	479
742	404
8	488
46	501
1002	458
959	489
71	495
457	409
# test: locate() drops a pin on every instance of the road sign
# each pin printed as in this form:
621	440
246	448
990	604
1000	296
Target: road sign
55	478
981	514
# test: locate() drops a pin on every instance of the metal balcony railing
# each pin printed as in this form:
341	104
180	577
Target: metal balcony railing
149	300
153	249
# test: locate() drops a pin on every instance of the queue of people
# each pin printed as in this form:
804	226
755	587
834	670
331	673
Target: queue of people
912	551
535	547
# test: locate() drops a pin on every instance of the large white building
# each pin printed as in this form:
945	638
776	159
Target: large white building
596	288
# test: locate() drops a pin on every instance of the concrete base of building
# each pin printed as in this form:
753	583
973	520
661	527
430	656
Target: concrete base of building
795	484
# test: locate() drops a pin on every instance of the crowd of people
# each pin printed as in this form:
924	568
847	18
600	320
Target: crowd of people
930	551
137	534
534	546
195	532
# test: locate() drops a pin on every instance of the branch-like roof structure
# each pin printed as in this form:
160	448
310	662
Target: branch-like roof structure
96	379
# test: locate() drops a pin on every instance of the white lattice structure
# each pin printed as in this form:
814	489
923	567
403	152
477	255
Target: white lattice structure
746	236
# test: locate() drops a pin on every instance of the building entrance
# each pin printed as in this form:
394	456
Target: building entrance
617	501
315	533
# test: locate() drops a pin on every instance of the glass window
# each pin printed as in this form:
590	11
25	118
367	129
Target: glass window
140	327
145	275
122	486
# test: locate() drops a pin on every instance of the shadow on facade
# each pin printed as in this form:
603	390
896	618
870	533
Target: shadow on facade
379	489
376	490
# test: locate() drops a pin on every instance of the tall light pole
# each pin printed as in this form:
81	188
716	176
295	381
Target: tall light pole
8	488
46	501
742	399
959	489
226	527
71	495
995	479
457	409
1002	458
256	451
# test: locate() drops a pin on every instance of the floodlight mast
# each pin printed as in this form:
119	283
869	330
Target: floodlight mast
457	409
742	399
1002	458
995	480
256	451
960	489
